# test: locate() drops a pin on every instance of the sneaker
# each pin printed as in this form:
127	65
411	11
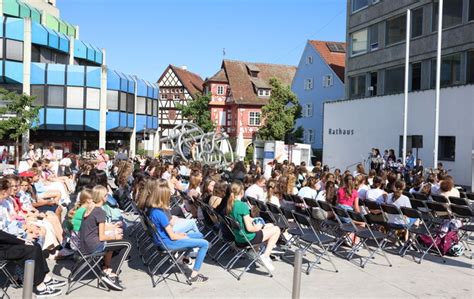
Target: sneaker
111	283
198	278
267	262
55	283
47	292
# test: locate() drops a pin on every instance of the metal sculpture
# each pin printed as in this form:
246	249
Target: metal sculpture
189	143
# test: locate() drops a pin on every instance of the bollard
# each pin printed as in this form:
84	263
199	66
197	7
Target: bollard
297	274
28	279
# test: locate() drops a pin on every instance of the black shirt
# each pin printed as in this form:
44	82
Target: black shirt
89	231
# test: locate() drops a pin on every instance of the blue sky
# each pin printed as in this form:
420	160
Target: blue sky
143	38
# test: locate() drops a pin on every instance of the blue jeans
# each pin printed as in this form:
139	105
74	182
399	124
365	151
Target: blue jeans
185	226
347	208
192	241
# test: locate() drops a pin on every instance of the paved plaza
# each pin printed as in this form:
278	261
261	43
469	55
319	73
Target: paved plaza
406	279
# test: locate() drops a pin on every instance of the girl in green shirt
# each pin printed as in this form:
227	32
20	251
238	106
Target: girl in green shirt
255	233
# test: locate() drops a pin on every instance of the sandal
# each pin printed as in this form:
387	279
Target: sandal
199	278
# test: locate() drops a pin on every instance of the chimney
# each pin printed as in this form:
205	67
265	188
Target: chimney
184	67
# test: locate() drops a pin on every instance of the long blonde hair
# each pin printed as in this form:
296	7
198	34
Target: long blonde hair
236	189
160	197
148	191
98	193
86	195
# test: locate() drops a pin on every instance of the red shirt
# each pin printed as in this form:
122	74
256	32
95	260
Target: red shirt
344	199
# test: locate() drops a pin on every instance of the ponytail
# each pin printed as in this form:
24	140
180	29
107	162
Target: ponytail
235	189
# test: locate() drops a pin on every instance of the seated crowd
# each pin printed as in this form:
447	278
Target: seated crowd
49	215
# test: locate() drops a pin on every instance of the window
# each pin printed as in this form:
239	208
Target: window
220	90
267	92
357	86
308	84
155	108
373	83
149	107
359	42
56	96
471	10
417	22
263	92
308	110
112	100
38	92
14	50
123	101
374	37
130	103
176	97
359	4
309	136
141	105
394	80
35	54
254	118
470	67
164	96
450	70
452	13
396	30
75	97
309	60
446	148
416	76
327	81
93	98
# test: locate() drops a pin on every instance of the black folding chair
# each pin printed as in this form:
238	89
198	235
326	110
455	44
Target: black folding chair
466	215
439	211
345	229
84	265
310	238
246	249
365	234
329	225
393	214
420	196
440	198
460	201
9	278
418	230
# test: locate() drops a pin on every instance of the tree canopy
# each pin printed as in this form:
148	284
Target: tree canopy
197	111
17	114
280	114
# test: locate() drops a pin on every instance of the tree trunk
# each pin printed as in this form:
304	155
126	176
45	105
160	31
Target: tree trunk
17	156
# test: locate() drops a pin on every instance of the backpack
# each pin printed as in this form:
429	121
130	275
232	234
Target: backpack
444	243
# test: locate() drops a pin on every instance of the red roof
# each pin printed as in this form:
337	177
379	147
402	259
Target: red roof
191	81
335	59
243	86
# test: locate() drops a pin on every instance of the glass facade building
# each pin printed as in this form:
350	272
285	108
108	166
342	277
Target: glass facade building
84	104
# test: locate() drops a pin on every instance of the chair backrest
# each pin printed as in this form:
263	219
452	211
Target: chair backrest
262	206
232	223
296	199
325	205
302	219
310	202
340	213
437	206
470	195
462	194
439	198
408	194
462	211
372	205
391	209
459	201
358	217
420	196
251	200
418	204
411	213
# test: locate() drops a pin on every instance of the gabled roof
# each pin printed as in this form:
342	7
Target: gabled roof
191	81
335	59
243	86
218	77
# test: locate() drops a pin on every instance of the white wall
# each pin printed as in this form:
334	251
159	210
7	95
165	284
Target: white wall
378	122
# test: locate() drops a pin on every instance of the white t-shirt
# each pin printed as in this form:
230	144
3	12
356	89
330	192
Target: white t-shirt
363	191
321	195
307	192
402	201
274	200
435	189
375	195
256	192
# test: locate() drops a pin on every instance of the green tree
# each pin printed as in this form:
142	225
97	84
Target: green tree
198	112
17	115
280	114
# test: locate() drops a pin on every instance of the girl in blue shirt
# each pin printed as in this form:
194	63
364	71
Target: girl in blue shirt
158	204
